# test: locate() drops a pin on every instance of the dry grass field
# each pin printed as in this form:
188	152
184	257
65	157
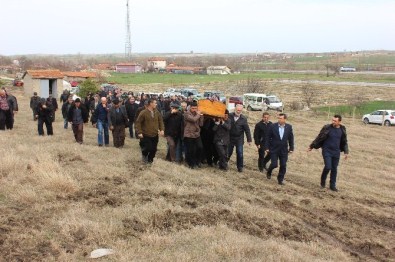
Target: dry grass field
60	200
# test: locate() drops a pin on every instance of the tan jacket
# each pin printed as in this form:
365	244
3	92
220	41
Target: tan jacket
148	125
192	124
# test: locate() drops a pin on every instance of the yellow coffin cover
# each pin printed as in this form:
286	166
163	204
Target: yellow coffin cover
211	108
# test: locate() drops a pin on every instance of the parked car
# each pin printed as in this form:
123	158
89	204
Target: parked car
171	92
187	92
236	100
378	116
219	94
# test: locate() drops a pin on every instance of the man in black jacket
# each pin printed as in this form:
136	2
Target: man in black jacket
34	100
333	140
44	115
221	140
78	115
260	132
173	121
65	112
131	109
279	143
239	126
117	120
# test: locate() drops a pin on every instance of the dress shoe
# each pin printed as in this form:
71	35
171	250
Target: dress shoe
333	188
322	184
281	183
268	175
240	170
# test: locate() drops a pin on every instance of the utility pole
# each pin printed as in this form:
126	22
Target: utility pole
128	43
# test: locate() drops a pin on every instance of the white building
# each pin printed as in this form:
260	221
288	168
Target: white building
218	70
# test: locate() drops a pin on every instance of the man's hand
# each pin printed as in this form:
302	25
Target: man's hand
161	133
111	128
258	146
140	136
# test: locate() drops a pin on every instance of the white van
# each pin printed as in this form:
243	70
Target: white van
254	101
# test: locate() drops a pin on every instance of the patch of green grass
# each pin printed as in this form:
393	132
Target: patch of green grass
177	79
360	110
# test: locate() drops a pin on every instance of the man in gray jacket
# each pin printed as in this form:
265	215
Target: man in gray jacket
117	121
239	126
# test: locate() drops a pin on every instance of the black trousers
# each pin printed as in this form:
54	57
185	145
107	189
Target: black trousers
222	151
274	163
3	118
78	130
149	146
118	135
194	149
48	125
262	159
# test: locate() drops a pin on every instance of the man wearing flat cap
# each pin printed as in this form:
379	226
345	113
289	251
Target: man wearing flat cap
78	115
118	120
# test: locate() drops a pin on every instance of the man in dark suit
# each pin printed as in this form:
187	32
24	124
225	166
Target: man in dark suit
279	143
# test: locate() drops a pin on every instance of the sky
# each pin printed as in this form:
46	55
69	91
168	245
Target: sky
204	26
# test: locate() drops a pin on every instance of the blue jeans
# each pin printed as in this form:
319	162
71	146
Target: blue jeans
103	128
239	154
331	162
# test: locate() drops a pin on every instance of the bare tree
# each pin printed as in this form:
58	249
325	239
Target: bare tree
309	94
330	67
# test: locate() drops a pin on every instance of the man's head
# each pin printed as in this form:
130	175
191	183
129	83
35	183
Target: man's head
265	117
174	105
282	118
77	102
226	114
193	107
152	103
131	100
184	106
336	120
238	109
2	92
116	103
103	100
35	94
70	99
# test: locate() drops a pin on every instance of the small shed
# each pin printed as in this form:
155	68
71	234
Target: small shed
218	70
156	63
128	68
78	76
44	82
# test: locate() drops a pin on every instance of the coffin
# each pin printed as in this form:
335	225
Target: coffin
212	108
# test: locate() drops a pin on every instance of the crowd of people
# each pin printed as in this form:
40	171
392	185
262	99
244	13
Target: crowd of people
192	137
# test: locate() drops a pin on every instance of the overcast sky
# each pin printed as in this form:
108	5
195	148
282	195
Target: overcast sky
209	26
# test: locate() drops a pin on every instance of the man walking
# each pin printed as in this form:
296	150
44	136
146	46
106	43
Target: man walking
131	109
34	100
100	120
279	143
239	126
333	140
65	111
221	140
260	132
148	124
173	128
44	115
78	115
193	120
5	113
118	121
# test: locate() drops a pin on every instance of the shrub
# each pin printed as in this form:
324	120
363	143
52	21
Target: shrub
88	86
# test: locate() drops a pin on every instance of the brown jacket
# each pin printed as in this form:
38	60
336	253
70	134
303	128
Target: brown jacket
192	124
148	125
